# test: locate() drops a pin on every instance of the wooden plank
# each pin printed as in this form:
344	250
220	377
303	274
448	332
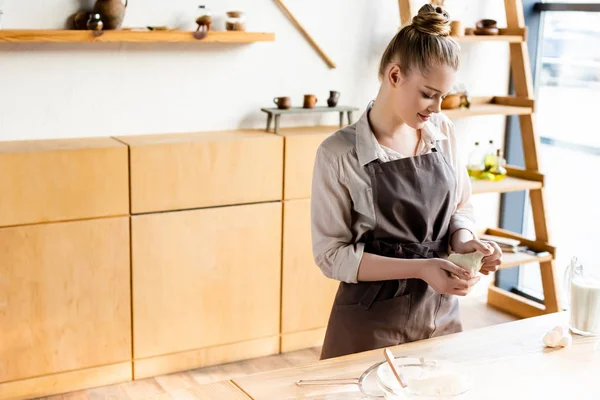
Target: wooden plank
219	390
508	184
405	14
66	382
514	101
184	171
488	38
550	286
510	260
61	180
169	363
518	31
517	356
302	340
314	110
302	308
521	173
306	35
521	70
66	298
536	244
301	146
486	109
514	14
514	304
205	278
129	36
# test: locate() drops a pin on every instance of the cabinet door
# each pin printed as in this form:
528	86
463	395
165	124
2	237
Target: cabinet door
64	297
205	278
62	180
206	169
307	293
301	146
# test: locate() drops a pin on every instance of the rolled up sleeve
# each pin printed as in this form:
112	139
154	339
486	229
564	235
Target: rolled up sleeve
331	222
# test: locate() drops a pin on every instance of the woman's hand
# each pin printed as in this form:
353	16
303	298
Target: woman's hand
446	277
492	253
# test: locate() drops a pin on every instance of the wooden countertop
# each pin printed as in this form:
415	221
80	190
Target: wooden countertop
507	361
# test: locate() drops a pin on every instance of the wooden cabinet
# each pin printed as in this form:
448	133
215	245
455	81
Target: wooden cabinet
185	171
64	300
202	279
61	180
307	295
300	149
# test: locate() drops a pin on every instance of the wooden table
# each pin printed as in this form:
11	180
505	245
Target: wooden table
276	113
508	361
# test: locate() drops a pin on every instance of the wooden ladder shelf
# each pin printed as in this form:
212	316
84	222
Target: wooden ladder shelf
529	178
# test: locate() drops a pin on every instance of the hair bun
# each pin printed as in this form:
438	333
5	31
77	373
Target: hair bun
432	20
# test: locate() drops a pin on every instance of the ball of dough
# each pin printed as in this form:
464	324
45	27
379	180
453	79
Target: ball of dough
469	261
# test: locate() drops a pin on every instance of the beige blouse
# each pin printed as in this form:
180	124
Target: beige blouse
342	208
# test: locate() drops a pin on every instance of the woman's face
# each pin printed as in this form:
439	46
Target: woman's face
416	96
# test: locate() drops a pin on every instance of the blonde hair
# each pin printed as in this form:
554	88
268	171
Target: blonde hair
422	44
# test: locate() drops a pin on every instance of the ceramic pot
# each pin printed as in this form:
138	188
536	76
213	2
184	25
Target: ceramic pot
112	12
452	101
333	99
310	100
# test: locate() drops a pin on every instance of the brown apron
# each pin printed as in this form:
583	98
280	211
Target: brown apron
414	198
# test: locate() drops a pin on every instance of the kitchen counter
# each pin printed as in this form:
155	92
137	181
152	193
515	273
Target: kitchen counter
507	361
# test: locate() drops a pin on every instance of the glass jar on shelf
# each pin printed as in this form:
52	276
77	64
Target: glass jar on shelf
204	20
236	21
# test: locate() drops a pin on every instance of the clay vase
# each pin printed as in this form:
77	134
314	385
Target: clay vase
334	96
112	12
310	100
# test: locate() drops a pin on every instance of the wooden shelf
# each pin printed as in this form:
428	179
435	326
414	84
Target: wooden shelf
517	179
514	35
129	36
489	38
510	260
496	105
508	184
515	259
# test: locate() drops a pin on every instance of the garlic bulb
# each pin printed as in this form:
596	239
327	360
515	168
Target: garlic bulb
566	341
558	337
552	338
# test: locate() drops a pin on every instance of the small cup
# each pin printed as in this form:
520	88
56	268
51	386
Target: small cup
310	100
283	103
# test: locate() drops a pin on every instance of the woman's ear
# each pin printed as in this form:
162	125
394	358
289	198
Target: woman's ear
394	75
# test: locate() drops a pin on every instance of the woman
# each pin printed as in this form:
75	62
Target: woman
390	199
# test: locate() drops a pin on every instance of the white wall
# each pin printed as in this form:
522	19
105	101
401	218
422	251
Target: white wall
77	90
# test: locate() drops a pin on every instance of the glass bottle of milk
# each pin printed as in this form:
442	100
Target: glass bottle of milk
583	288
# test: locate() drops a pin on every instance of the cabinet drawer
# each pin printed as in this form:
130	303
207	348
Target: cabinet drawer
61	180
185	171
